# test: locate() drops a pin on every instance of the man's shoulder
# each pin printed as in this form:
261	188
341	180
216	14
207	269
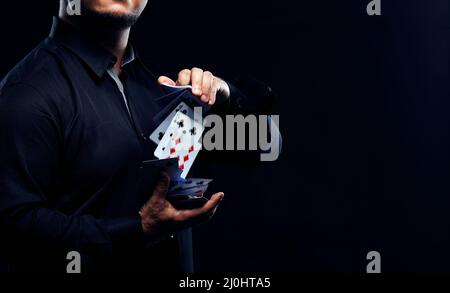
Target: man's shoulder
38	81
40	69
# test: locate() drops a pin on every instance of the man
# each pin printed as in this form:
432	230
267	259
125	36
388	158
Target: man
75	116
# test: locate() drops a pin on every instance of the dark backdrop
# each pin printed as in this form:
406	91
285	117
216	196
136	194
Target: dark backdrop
364	110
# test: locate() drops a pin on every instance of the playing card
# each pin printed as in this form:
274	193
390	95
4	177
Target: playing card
176	88
167	104
166	99
158	133
170	166
181	184
181	140
195	191
185	159
187	96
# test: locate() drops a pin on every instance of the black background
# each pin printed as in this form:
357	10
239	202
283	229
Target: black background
364	113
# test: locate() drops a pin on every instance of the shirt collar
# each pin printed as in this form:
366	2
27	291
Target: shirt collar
94	55
129	56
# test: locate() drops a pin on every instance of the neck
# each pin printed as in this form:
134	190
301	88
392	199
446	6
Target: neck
114	40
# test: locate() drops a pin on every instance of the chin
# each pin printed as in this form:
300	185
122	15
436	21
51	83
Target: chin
111	13
117	9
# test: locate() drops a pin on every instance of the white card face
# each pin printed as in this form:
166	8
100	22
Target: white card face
158	133
181	140
186	160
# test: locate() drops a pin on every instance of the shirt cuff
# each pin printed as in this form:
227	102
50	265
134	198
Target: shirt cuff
250	96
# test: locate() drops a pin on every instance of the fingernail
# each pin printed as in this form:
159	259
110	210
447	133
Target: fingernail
197	91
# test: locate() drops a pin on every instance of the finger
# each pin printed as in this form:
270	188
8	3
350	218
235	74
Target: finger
213	95
162	186
165	80
196	81
184	77
200	219
208	207
206	86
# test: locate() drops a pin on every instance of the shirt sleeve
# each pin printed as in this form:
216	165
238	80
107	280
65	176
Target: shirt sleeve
250	96
31	141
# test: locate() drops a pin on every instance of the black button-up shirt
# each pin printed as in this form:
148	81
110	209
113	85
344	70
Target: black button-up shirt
72	139
70	154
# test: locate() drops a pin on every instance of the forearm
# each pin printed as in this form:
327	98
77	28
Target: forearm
40	226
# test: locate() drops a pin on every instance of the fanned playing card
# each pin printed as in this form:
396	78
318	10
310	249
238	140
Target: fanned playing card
176	88
182	184
181	140
196	191
170	166
186	95
158	133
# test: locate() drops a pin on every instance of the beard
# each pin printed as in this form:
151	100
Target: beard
109	19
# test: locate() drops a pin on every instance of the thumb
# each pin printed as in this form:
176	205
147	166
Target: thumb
165	80
209	206
162	186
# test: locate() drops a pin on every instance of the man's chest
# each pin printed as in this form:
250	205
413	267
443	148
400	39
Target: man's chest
102	136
